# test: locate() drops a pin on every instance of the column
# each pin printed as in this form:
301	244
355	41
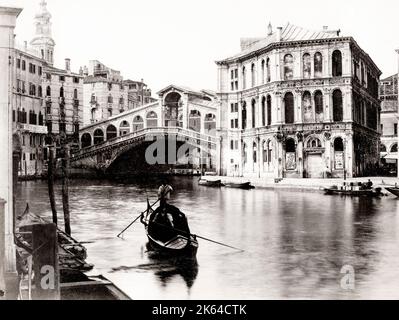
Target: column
7	251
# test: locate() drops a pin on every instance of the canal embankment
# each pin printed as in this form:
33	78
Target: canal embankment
308	185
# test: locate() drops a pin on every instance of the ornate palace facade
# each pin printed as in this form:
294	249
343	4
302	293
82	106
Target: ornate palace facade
299	104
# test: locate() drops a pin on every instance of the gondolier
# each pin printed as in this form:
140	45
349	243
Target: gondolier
164	192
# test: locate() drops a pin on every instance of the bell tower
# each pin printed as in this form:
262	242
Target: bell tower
43	41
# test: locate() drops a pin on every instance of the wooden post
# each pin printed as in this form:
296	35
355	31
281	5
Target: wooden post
45	262
65	189
50	181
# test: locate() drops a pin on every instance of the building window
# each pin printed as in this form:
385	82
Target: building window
194	120
269	110
383	148
288	67
234	80
40	91
110	99
48	76
338	145
268	74
307	66
263	112
253	75
18	63
75	80
314	143
48	91
319	107
255	153
86	140
395	129
289	108
40	70
62	127
23	65
318	65
152	120
244	78
62	92
337	106
267	152
245	154
253	111
394	148
337	63
112	133
263	71
138	124
307	108
62	78
75	94
244	116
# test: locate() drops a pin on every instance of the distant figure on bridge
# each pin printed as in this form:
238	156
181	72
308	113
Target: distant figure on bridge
164	192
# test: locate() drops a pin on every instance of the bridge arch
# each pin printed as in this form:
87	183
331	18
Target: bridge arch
85	140
112	132
173	102
138	123
152	119
194	120
210	124
98	136
124	128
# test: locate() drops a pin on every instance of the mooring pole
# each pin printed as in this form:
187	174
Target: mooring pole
50	181
65	189
45	262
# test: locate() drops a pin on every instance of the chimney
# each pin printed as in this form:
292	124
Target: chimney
68	64
279	33
269	29
325	28
85	71
81	71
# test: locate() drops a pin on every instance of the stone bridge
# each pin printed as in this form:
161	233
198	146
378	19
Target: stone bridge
182	119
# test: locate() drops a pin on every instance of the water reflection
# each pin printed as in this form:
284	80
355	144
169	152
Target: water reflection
295	243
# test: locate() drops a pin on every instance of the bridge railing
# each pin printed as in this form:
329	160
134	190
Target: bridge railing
147	131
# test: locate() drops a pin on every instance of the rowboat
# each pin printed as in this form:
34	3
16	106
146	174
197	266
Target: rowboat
354	193
168	232
393	190
244	186
208	183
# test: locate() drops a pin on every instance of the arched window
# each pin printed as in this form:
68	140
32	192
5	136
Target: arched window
394	148
267	152
253	113
124	128
263	71
307	107
314	143
290	154
40	91
383	148
62	92
269	110
75	94
244	78
307	65
319	106
245	153
337	63
263	112
338	145
268	75
98	136
253	75
244	116
289	108
93	114
86	140
318	65
210	124
138	124
152	120
255	152
288	67
338	112
194	120
48	91
112	133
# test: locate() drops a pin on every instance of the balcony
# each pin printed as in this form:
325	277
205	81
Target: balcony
33	128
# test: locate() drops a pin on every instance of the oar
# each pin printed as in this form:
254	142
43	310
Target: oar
197	236
135	220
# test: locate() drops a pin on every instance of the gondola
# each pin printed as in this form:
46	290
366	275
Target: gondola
168	239
208	183
244	186
393	190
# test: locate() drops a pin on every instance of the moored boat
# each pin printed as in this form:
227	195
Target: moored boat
245	185
393	190
210	183
168	232
354	190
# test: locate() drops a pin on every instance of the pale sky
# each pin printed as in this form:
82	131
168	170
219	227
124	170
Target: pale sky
177	41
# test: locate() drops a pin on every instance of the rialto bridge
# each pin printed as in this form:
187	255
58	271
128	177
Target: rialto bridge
178	130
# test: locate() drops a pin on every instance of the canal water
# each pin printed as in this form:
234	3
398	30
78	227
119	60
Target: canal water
295	243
